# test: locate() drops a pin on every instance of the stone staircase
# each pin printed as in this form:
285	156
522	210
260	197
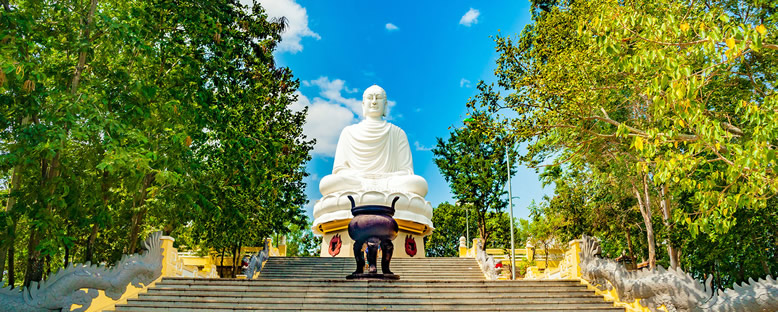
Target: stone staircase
338	268
319	284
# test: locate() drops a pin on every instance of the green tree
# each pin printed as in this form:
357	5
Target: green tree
671	105
301	242
473	162
123	118
450	224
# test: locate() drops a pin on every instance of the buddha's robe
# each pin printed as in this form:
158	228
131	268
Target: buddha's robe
373	155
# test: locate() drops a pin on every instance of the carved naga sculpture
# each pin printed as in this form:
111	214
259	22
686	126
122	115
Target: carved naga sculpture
255	263
673	288
63	289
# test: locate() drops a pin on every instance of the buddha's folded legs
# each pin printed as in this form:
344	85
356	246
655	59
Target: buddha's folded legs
408	183
335	183
405	183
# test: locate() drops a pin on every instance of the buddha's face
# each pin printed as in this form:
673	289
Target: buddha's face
374	102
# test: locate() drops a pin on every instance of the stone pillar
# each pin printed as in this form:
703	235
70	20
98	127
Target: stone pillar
282	246
462	247
575	250
170	254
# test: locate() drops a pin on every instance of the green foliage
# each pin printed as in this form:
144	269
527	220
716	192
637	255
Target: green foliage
301	242
123	118
473	161
654	118
450	224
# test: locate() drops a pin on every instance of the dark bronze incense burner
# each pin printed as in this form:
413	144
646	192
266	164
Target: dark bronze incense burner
373	225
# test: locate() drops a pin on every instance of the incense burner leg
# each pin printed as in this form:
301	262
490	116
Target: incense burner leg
372	253
387	248
360	257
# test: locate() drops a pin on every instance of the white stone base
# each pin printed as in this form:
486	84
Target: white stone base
336	206
347	249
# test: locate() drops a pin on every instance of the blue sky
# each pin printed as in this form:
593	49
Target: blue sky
427	55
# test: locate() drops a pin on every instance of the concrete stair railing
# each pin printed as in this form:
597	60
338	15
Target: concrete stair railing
319	284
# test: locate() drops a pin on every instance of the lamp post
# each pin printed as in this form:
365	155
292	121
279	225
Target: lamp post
510	205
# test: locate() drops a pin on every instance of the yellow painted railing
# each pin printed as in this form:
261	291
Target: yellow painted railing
537	257
175	264
566	268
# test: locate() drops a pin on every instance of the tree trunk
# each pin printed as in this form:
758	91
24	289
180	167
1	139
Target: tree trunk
34	271
136	220
672	251
234	255
82	54
3	253
11	266
221	263
90	244
138	217
645	211
67	256
482	228
765	267
239	259
629	247
48	265
9	204
35	263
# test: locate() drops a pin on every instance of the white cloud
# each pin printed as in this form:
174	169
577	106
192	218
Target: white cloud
420	147
330	112
331	91
470	18
391	27
297	17
464	83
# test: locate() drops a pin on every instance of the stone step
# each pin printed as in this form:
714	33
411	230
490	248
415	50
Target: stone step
357	293
352	263
352	260
372	283
343	276
353	267
136	305
372	299
319	284
337	268
393	269
317	308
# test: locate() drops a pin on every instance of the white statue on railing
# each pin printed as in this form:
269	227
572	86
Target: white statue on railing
373	163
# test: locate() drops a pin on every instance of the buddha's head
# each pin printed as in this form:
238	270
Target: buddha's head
374	102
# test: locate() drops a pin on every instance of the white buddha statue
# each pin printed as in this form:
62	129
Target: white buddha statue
373	164
373	154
